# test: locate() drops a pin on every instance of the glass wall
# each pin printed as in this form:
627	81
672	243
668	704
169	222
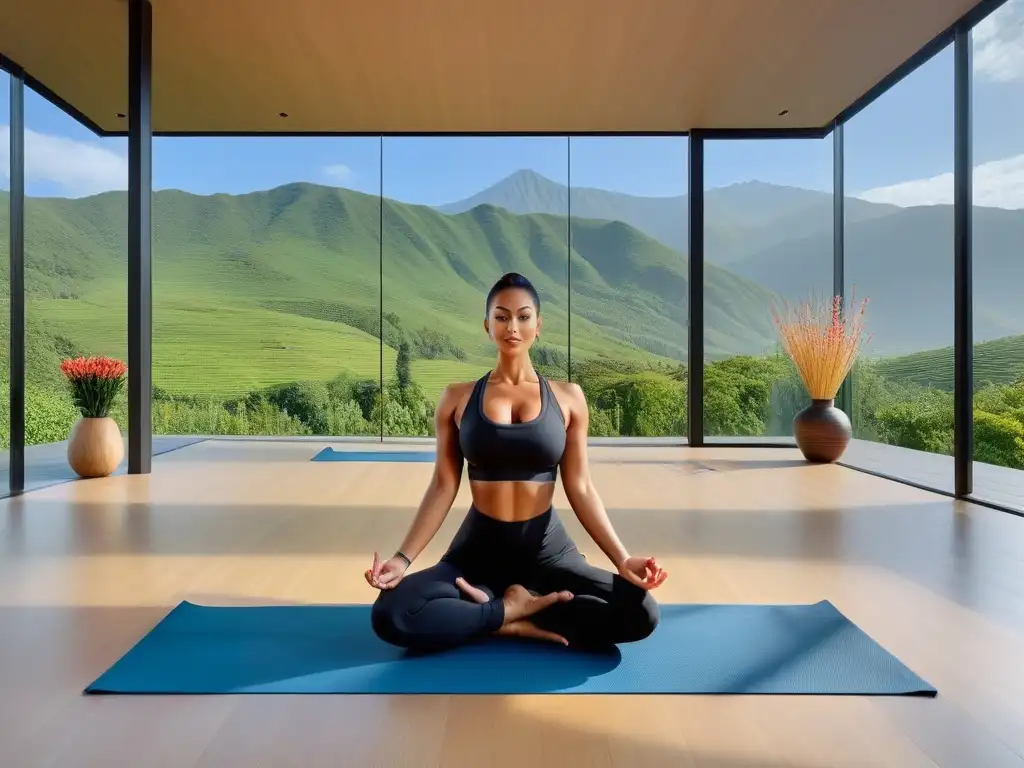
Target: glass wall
628	277
998	153
339	287
768	223
343	305
75	272
334	286
899	255
266	286
458	214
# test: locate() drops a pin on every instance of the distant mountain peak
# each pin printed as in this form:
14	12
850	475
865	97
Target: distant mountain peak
514	183
526	173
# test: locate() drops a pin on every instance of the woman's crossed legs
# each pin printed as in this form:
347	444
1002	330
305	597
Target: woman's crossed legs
567	598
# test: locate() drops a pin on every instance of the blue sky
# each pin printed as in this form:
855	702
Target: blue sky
905	138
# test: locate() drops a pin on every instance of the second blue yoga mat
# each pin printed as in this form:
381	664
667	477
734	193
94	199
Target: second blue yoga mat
329	454
728	649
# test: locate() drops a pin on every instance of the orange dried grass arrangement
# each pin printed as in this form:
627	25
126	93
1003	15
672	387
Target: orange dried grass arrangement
822	340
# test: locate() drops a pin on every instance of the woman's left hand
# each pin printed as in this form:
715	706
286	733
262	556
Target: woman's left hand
643	572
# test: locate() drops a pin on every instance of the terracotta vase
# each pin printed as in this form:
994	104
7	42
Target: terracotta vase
822	431
95	447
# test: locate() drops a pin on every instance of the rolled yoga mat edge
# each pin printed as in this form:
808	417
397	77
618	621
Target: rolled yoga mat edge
321	649
330	454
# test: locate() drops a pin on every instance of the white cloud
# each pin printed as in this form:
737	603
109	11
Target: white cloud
339	174
76	168
999	44
997	184
998	57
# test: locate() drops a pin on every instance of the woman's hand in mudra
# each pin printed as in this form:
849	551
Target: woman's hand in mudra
519	603
643	572
385	575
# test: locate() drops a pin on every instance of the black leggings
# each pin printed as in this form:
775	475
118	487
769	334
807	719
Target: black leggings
427	611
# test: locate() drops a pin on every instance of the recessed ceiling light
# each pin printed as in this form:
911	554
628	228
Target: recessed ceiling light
783	112
282	114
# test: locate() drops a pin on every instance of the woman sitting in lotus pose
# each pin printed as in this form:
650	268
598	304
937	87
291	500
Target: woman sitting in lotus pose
512	569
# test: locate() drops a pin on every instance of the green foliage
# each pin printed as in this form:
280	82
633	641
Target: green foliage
873	393
346	418
602	423
250	416
93	396
644	405
751	396
403	370
924	425
362	392
307	401
431	344
743	396
998	439
736	396
549	360
405	412
1004	400
49	416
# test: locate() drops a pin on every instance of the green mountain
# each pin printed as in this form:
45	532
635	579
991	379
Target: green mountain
263	288
740	219
903	263
781	238
525	192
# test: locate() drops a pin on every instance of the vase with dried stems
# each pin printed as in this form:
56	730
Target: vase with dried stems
95	445
823	341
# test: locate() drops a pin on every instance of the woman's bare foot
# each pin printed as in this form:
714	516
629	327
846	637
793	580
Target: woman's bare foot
519	603
526	628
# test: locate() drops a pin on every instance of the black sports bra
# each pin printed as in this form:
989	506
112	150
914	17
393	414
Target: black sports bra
528	451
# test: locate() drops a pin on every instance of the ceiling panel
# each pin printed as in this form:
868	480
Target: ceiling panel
416	66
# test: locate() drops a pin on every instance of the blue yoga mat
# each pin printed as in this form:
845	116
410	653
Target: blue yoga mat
733	649
329	454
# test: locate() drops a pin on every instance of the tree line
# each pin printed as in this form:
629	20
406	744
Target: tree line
743	396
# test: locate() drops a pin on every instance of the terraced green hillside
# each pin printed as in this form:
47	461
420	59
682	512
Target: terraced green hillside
270	287
995	362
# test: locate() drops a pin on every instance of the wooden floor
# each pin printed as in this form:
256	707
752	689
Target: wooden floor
86	568
46	464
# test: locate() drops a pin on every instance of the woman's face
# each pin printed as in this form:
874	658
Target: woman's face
513	322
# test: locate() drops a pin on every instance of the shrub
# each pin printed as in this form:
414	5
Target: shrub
49	416
998	439
308	401
925	425
644	405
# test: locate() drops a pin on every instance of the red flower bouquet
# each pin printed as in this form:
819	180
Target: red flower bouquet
95	382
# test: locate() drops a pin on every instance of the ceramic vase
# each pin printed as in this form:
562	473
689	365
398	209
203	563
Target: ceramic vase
95	447
822	431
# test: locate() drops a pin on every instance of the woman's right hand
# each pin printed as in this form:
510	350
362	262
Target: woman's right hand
644	572
386	575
